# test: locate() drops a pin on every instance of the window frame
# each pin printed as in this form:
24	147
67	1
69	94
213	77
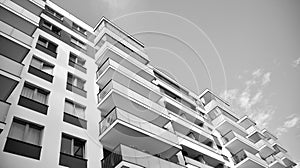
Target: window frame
36	90
42	63
79	29
73	140
54	13
74	104
78	43
50	27
76	59
25	133
75	80
46	43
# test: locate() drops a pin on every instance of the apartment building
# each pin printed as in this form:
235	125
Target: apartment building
78	96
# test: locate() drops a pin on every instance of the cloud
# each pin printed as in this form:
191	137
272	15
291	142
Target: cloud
266	78
291	121
296	62
257	73
229	95
262	116
251	99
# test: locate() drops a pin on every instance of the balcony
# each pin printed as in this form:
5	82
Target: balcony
41	74
286	159
195	148
121	127
210	100
252	130
246	122
4	107
178	106
235	142
10	66
22	148
112	70
192	163
115	94
18	17
14	44
10	72
275	162
224	124
244	159
125	156
33	105
107	27
109	51
265	148
34	6
183	124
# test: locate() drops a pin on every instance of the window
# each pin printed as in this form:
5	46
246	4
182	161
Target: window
78	43
79	29
47	44
42	65
74	109
76	81
54	13
35	93
77	60
51	27
72	146
25	131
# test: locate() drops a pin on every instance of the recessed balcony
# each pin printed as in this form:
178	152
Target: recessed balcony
111	52
265	148
286	159
194	163
275	162
181	107
122	127
246	122
184	125
4	107
114	71
244	159
235	142
125	156
224	124
195	148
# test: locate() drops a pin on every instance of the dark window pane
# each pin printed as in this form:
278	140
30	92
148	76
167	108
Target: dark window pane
78	148
66	145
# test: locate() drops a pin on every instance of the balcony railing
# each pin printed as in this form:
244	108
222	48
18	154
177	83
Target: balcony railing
196	163
243	154
122	115
136	157
4	107
102	67
121	34
103	92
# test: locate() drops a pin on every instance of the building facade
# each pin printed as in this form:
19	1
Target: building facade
78	96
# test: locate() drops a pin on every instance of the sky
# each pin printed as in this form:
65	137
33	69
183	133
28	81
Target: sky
245	51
